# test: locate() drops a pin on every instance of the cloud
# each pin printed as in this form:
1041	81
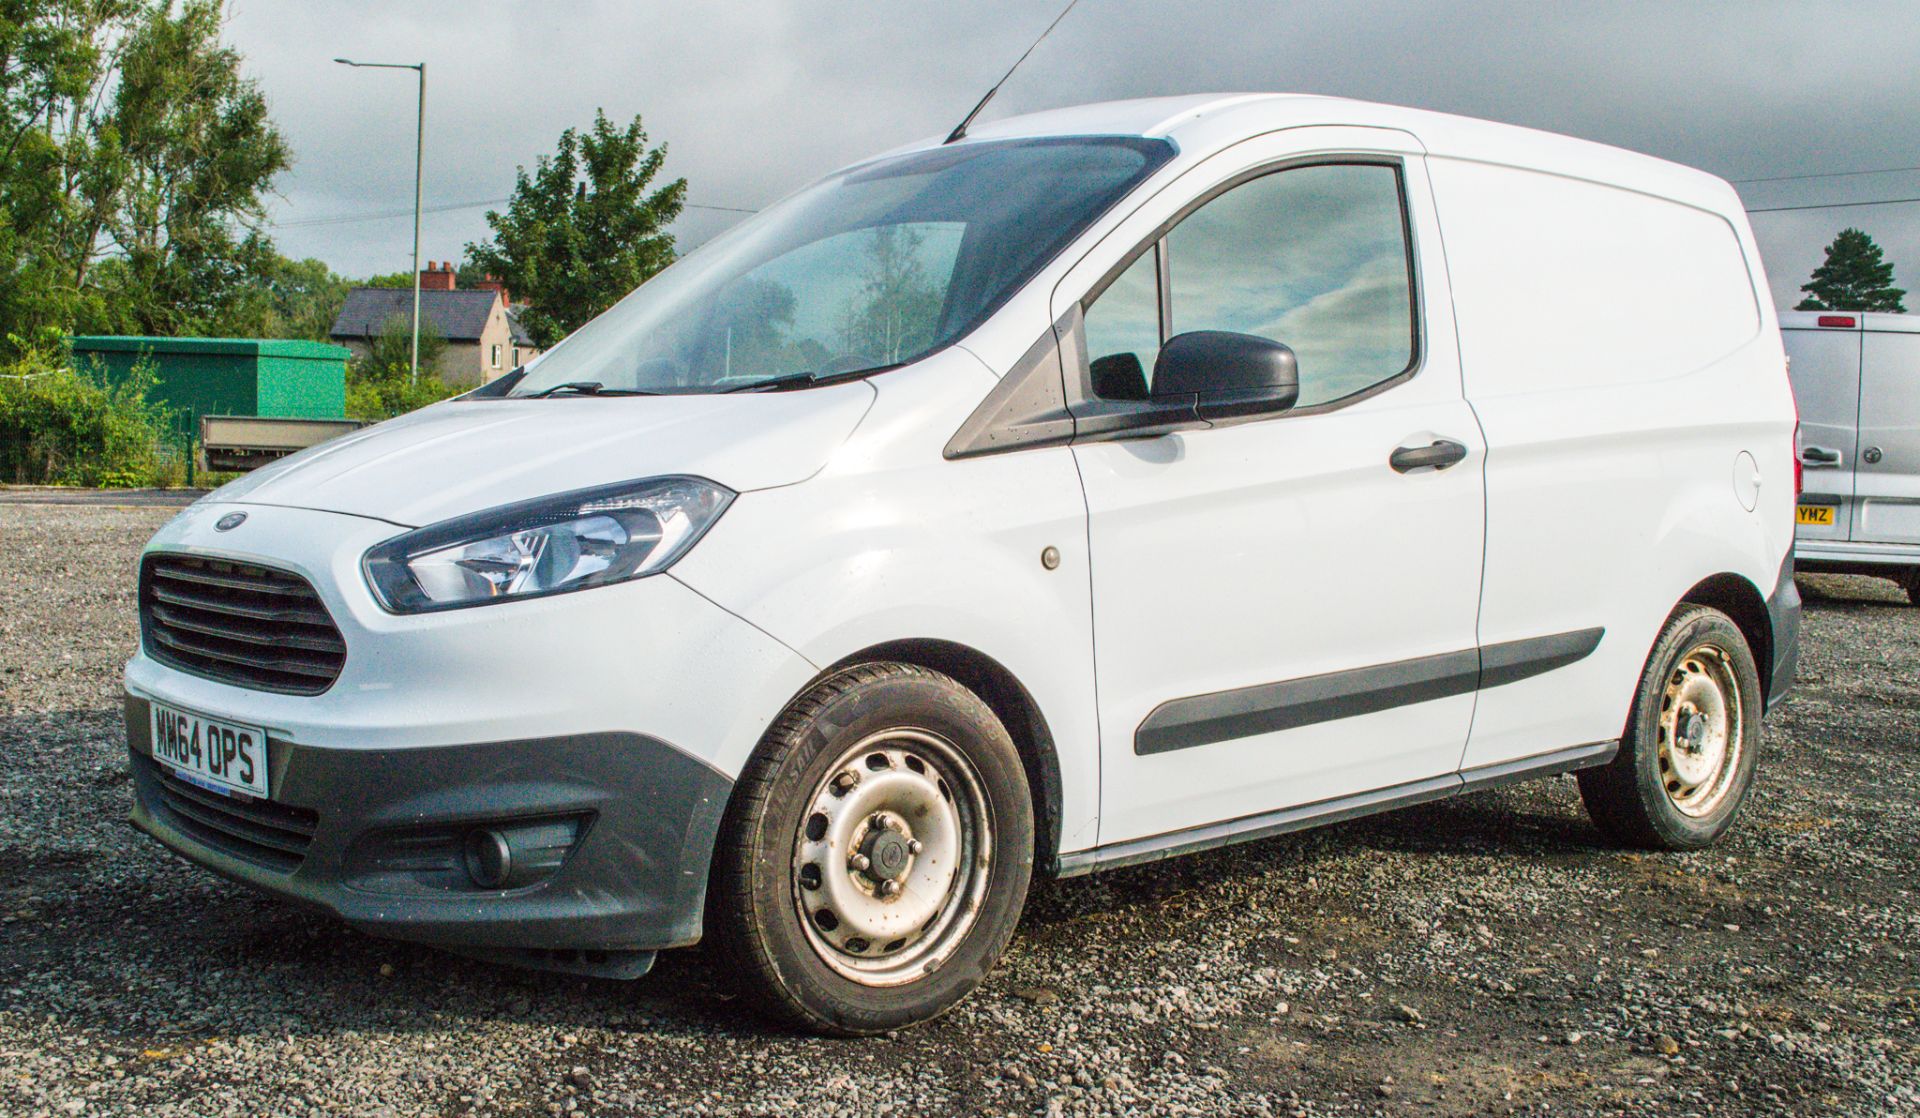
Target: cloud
755	99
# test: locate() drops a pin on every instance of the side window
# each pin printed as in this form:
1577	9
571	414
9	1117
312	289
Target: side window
1123	331
1313	257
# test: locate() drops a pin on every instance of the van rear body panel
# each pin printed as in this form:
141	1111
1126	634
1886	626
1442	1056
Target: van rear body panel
1617	349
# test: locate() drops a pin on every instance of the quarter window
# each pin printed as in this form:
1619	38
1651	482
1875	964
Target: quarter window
1123	331
1313	257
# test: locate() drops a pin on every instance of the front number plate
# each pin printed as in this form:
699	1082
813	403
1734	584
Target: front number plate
215	754
1815	514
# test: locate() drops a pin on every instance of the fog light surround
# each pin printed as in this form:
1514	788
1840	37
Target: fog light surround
514	855
478	856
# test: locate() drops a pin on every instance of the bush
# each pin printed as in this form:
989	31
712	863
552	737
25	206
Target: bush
375	393
379	383
65	426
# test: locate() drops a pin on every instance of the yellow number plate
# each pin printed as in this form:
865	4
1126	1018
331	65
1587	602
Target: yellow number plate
1815	514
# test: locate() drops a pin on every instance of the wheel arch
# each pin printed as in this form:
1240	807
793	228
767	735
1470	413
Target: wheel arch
1010	700
1738	598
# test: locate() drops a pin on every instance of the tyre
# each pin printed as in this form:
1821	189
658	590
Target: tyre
876	853
1691	742
1909	581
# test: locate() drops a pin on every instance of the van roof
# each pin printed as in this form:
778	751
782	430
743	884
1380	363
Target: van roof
1201	124
1850	320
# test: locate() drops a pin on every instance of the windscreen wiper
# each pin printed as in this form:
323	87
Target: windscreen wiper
586	388
806	380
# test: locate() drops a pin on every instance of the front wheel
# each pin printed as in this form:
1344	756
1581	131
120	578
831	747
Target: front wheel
876	854
1686	760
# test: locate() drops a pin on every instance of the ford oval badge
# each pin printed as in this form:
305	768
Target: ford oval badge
230	521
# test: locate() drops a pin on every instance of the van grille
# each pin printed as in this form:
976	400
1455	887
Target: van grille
238	623
260	831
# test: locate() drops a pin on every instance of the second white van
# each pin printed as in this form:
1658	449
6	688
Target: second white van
1856	377
1103	485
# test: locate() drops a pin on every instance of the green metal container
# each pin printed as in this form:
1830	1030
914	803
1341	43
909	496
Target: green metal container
231	376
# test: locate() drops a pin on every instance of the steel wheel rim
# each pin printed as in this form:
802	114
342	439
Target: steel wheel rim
1701	730
890	857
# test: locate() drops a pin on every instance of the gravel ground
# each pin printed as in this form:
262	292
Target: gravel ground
109	498
1487	954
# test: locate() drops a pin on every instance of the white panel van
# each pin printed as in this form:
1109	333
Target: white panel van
1106	484
1856	377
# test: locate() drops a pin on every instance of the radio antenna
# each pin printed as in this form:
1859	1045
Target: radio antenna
960	131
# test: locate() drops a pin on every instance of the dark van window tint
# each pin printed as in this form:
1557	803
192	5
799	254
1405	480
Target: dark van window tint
1315	258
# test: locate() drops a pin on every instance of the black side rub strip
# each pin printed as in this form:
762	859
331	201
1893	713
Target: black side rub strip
1512	661
1267	707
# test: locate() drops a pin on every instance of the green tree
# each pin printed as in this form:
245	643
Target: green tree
51	54
391	280
469	275
137	161
582	230
1853	278
286	299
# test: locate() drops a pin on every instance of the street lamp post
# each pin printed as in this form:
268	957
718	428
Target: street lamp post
419	157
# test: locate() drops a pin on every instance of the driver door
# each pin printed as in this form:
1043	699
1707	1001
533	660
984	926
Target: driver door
1284	609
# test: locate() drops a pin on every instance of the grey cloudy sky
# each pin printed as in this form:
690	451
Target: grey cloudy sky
754	99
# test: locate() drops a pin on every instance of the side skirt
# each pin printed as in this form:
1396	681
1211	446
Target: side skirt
1155	847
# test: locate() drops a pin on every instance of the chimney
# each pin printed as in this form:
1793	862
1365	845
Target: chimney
492	283
437	277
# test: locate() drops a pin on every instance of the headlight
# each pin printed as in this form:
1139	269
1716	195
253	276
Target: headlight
547	546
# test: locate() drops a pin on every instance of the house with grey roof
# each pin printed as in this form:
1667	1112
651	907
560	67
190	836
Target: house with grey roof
484	336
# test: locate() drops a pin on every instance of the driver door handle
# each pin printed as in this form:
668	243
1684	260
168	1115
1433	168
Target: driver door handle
1440	454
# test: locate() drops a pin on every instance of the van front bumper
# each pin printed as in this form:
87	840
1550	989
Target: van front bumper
375	837
621	712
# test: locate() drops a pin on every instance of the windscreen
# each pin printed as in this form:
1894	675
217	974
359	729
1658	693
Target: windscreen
870	268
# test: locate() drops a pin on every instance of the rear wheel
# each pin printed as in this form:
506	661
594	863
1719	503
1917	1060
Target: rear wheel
1687	758
876	854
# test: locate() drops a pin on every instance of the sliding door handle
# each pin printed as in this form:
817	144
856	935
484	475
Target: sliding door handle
1439	455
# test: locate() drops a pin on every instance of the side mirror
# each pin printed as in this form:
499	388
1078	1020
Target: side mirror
1227	374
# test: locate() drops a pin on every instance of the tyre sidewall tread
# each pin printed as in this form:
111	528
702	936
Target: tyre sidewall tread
752	915
1627	798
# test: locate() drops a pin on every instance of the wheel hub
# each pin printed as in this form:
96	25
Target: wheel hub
1693	732
886	855
889	864
1700	730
